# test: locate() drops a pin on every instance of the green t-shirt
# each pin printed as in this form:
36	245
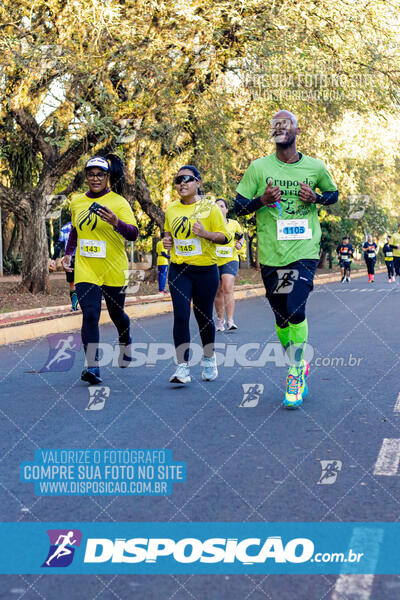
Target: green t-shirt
280	252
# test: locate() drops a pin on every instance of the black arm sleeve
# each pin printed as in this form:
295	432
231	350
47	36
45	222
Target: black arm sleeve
57	249
244	206
327	198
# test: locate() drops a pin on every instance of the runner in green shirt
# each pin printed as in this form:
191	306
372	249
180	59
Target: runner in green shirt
280	188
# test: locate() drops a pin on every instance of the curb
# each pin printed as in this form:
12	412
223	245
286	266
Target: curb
47	321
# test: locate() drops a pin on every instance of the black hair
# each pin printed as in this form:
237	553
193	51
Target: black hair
345	237
224	201
117	173
194	170
196	173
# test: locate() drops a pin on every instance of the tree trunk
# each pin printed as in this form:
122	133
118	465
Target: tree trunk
9	231
35	257
251	250
322	259
154	252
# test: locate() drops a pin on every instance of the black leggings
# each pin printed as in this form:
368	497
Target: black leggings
370	262
288	289
396	261
89	296
389	266
187	282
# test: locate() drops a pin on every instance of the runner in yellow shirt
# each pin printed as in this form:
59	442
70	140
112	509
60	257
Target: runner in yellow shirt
228	266
162	265
193	227
101	220
395	243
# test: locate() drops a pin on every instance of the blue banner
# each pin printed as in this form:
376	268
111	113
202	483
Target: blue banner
200	548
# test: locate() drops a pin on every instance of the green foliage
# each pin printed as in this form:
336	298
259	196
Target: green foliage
170	83
12	265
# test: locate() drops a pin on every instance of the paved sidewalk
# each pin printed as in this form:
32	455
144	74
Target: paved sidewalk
28	324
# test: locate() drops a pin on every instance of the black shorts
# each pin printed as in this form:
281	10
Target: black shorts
287	289
344	264
70	276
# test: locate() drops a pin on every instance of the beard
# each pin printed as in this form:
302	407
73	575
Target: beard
286	144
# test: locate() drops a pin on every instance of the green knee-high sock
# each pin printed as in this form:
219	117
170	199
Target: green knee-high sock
283	335
298	340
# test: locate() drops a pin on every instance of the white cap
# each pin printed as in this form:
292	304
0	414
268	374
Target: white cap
98	161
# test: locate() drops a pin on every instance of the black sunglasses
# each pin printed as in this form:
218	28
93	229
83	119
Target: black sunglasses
184	179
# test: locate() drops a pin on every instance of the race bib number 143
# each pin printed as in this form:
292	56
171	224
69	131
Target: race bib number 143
93	248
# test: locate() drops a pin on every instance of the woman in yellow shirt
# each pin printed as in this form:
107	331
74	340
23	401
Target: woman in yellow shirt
193	227
228	266
101	220
162	265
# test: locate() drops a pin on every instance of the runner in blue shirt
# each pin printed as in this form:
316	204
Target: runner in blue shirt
60	246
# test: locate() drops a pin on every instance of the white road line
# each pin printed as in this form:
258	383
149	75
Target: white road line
388	459
359	587
397	405
356	587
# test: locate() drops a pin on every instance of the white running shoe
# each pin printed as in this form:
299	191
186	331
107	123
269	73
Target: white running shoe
348	279
181	375
220	324
124	356
210	370
231	325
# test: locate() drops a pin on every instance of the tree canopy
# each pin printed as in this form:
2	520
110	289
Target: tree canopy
169	82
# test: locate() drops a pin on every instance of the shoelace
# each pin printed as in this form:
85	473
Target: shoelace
293	383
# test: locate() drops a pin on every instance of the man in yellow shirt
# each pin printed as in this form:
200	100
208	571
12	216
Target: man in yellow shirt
395	243
162	265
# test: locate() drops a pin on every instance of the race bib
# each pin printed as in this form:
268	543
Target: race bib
224	251
389	253
293	229
346	259
190	247
371	254
93	248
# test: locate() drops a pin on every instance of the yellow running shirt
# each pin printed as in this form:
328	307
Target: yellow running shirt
187	247
395	240
100	254
161	260
228	252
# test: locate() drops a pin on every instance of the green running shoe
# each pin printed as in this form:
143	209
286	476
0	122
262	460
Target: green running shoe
296	386
74	300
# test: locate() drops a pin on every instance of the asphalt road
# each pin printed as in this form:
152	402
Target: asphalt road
244	463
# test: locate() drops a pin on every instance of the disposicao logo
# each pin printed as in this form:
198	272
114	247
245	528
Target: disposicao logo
62	547
190	550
